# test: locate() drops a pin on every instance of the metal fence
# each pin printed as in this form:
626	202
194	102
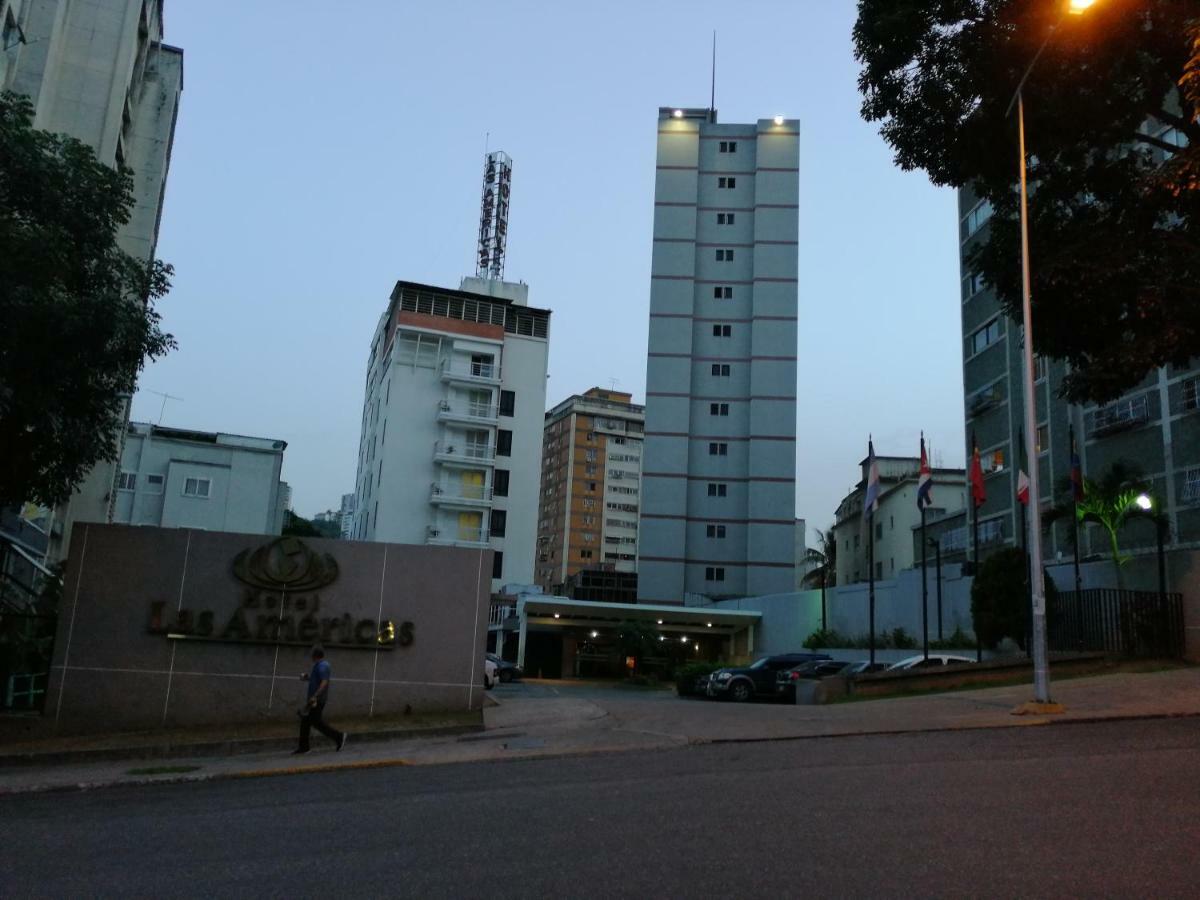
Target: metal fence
26	648
1135	623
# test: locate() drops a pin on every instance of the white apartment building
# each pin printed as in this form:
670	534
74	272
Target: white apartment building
895	519
718	479
175	478
98	70
346	516
451	446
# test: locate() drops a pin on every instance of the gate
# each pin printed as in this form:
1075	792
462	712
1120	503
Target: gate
1134	623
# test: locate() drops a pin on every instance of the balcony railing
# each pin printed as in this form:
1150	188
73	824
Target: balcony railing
499	613
461	453
469	372
471	414
460	494
1122	414
456	536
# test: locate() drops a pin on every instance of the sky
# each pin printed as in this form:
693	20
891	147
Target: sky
320	157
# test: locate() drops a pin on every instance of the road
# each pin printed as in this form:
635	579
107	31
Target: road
1107	809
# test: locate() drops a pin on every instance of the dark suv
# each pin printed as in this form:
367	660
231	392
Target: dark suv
757	679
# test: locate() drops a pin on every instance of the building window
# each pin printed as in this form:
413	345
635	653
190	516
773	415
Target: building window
591	455
1042	440
589	471
722	292
1191	393
722	331
500	483
972	285
724	255
503	442
197	487
879	569
725	218
1039	367
154	484
715	531
716	448
717	489
718	409
497	562
714	573
727	147
726	182
720	370
984	337
126	481
1191	486
591	486
585	554
499	521
508	402
977	217
879	531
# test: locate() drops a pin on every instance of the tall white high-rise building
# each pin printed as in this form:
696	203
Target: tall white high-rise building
100	72
719	466
451	446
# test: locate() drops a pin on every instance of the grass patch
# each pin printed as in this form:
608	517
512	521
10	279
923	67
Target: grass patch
162	770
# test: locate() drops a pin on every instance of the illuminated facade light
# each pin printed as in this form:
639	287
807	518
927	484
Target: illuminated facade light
779	120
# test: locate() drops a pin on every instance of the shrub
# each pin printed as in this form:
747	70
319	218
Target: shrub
956	641
999	603
825	638
901	639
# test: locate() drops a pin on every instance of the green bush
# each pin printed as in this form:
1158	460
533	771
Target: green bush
999	602
825	638
956	641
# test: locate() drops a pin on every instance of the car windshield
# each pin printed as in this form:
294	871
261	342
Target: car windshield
760	663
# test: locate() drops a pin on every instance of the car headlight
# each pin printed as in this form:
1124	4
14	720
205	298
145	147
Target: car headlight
723	676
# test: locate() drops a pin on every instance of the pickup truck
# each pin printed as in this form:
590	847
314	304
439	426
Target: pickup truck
757	679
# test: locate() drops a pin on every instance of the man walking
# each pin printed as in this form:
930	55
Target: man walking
318	695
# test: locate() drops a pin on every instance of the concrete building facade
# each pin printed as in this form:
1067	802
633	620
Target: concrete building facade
718	502
100	72
451	445
1155	426
174	478
895	549
590	488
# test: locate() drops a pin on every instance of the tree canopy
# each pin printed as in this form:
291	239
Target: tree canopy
1114	148
77	311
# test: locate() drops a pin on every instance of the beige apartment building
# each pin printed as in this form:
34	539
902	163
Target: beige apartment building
591	487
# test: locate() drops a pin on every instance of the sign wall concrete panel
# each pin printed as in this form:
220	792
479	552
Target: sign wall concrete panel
172	628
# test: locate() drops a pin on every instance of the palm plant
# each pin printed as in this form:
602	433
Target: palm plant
1108	501
823	558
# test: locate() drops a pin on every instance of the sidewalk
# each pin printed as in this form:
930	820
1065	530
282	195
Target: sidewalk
535	721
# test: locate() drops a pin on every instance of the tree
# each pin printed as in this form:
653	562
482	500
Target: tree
77	311
1109	502
1115	198
823	558
298	526
1000	599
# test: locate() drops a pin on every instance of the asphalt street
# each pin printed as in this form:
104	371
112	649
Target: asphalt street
1107	809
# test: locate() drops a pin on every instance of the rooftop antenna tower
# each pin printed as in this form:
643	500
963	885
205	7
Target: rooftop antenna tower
712	97
493	216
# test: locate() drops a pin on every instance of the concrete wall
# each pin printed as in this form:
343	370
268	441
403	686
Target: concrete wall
116	668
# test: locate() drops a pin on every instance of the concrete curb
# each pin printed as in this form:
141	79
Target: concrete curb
206	749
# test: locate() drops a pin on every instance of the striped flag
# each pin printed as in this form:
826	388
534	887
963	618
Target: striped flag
871	503
924	480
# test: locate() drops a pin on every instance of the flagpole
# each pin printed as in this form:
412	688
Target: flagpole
975	504
869	503
924	562
1075	511
1025	543
871	581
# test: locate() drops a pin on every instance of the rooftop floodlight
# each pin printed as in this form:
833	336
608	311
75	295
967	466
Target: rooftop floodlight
1078	7
678	113
779	120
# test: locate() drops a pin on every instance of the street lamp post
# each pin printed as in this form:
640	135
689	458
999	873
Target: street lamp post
1041	668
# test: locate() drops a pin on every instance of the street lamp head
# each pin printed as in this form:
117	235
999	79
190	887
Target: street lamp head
1144	502
1079	7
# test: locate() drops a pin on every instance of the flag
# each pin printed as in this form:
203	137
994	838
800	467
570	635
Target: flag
871	503
1076	471
978	491
1022	478
924	480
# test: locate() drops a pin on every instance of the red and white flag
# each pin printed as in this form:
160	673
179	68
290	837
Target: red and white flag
1023	487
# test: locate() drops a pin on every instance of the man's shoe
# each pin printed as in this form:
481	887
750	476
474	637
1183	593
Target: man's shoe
298	752
342	740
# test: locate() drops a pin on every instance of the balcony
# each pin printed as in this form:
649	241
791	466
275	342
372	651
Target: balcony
455	371
503	615
455	536
1120	416
463	455
469	414
460	496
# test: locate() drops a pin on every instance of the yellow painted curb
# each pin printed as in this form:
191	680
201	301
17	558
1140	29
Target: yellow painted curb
324	767
1033	708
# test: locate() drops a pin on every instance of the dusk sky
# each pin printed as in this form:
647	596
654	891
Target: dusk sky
325	151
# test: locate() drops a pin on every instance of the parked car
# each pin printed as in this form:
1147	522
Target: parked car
864	667
491	674
508	671
757	679
815	669
935	661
